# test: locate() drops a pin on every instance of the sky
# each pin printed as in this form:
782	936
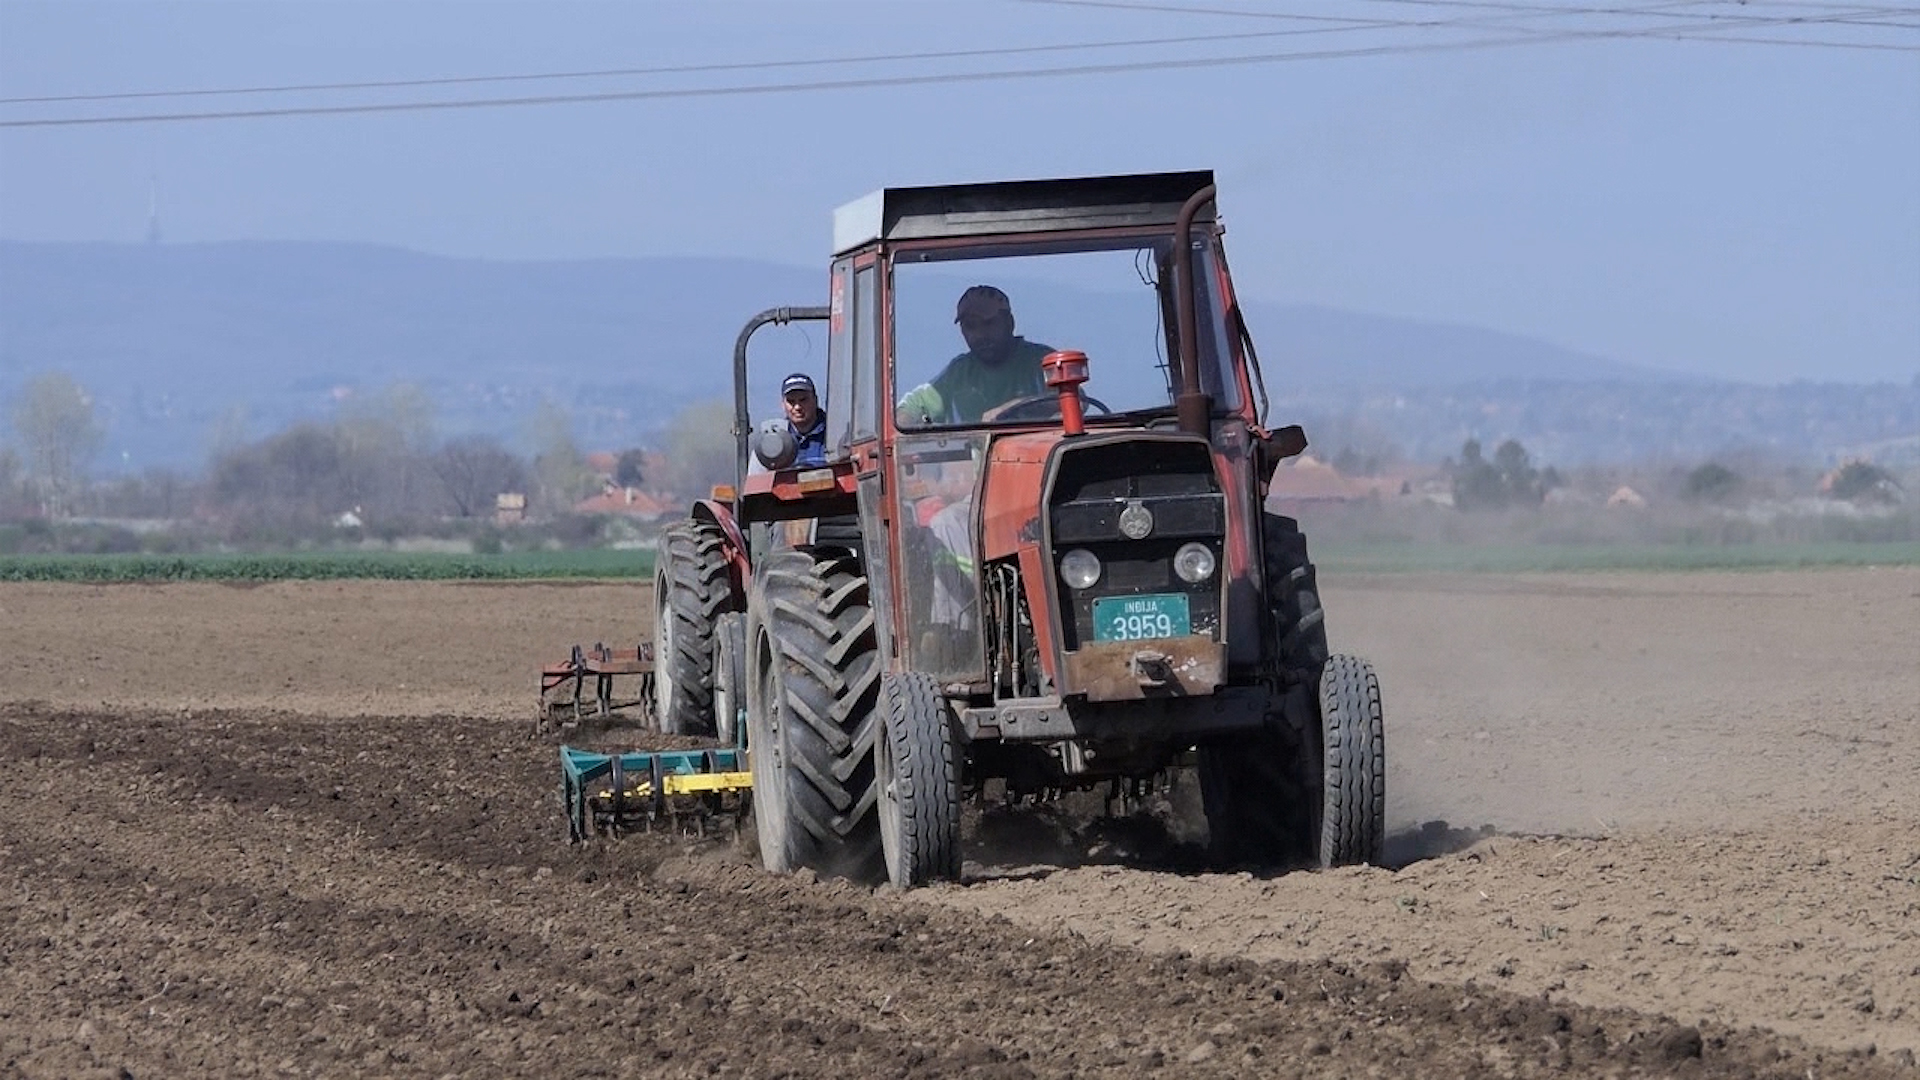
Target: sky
1734	208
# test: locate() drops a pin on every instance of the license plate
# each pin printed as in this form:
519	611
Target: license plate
1139	618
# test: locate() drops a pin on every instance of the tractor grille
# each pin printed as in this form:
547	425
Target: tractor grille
1172	480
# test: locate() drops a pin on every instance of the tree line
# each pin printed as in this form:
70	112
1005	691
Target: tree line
379	459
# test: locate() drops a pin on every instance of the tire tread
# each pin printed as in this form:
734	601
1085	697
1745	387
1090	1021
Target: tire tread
813	605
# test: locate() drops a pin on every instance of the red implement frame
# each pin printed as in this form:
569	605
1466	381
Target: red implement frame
582	686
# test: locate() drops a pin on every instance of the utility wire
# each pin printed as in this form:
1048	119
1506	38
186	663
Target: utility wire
1337	24
1847	14
1522	36
1342	23
1511	13
686	69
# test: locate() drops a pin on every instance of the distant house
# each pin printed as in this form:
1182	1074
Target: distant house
1306	480
624	501
509	508
1624	496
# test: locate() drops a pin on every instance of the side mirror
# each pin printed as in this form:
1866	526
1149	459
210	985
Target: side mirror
774	445
1286	442
1275	448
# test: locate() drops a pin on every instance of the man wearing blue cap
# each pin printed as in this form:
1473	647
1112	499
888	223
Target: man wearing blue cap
806	420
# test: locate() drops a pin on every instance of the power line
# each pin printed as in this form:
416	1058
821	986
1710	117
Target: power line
680	69
1838	14
1521	36
1510	13
1512	9
1343	24
1514	12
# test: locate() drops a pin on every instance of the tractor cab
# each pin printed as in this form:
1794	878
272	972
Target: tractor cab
946	303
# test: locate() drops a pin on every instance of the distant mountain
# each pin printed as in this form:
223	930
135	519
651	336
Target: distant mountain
1312	345
171	338
277	316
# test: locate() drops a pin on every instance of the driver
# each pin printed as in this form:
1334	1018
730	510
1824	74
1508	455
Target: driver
998	366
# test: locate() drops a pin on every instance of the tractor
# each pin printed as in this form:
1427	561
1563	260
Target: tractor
1076	584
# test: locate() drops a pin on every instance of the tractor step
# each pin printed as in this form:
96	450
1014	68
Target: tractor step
608	793
582	687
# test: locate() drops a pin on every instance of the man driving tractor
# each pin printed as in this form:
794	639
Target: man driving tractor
997	367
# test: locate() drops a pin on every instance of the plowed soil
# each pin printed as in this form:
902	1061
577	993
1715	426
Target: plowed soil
1640	825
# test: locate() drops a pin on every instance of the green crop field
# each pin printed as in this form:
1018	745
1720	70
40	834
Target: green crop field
317	566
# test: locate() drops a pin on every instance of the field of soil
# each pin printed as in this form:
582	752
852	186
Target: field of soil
1640	825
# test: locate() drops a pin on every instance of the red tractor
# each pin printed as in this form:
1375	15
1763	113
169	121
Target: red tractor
1046	565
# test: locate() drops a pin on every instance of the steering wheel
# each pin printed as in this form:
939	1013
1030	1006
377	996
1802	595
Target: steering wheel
1039	407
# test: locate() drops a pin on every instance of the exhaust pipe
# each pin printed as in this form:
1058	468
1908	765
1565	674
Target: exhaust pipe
1192	406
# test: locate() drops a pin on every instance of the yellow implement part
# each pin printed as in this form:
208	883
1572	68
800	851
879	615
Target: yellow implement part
683	783
688	784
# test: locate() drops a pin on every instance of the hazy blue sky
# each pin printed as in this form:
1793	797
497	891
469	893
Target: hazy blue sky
1743	210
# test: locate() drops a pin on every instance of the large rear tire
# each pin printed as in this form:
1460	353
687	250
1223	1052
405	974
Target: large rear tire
690	590
919	769
1299	629
1262	792
1257	802
813	681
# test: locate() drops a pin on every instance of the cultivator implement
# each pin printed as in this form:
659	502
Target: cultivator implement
583	687
607	794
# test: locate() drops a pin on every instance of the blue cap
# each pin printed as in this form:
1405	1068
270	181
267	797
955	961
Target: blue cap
797	381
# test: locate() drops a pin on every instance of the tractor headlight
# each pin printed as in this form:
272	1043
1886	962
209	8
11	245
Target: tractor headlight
1194	562
1080	568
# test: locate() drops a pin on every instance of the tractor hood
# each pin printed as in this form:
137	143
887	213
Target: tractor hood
1022	469
1010	492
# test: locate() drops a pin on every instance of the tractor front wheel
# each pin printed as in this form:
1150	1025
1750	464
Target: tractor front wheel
919	769
1353	792
813	682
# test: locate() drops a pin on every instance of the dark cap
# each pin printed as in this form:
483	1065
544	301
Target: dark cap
982	300
797	381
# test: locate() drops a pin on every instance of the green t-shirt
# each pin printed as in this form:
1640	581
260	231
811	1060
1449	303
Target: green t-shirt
969	386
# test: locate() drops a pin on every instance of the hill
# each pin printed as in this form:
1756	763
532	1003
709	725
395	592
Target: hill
176	340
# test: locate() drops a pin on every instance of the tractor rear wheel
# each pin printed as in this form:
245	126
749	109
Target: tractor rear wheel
1299	626
1262	792
813	684
690	590
1258	803
919	770
729	676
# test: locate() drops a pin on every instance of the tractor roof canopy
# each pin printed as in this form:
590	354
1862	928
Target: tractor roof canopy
1017	206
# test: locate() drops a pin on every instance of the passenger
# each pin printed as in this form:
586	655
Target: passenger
806	420
998	366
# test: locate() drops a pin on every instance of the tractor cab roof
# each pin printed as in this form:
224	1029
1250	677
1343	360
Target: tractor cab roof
1017	207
